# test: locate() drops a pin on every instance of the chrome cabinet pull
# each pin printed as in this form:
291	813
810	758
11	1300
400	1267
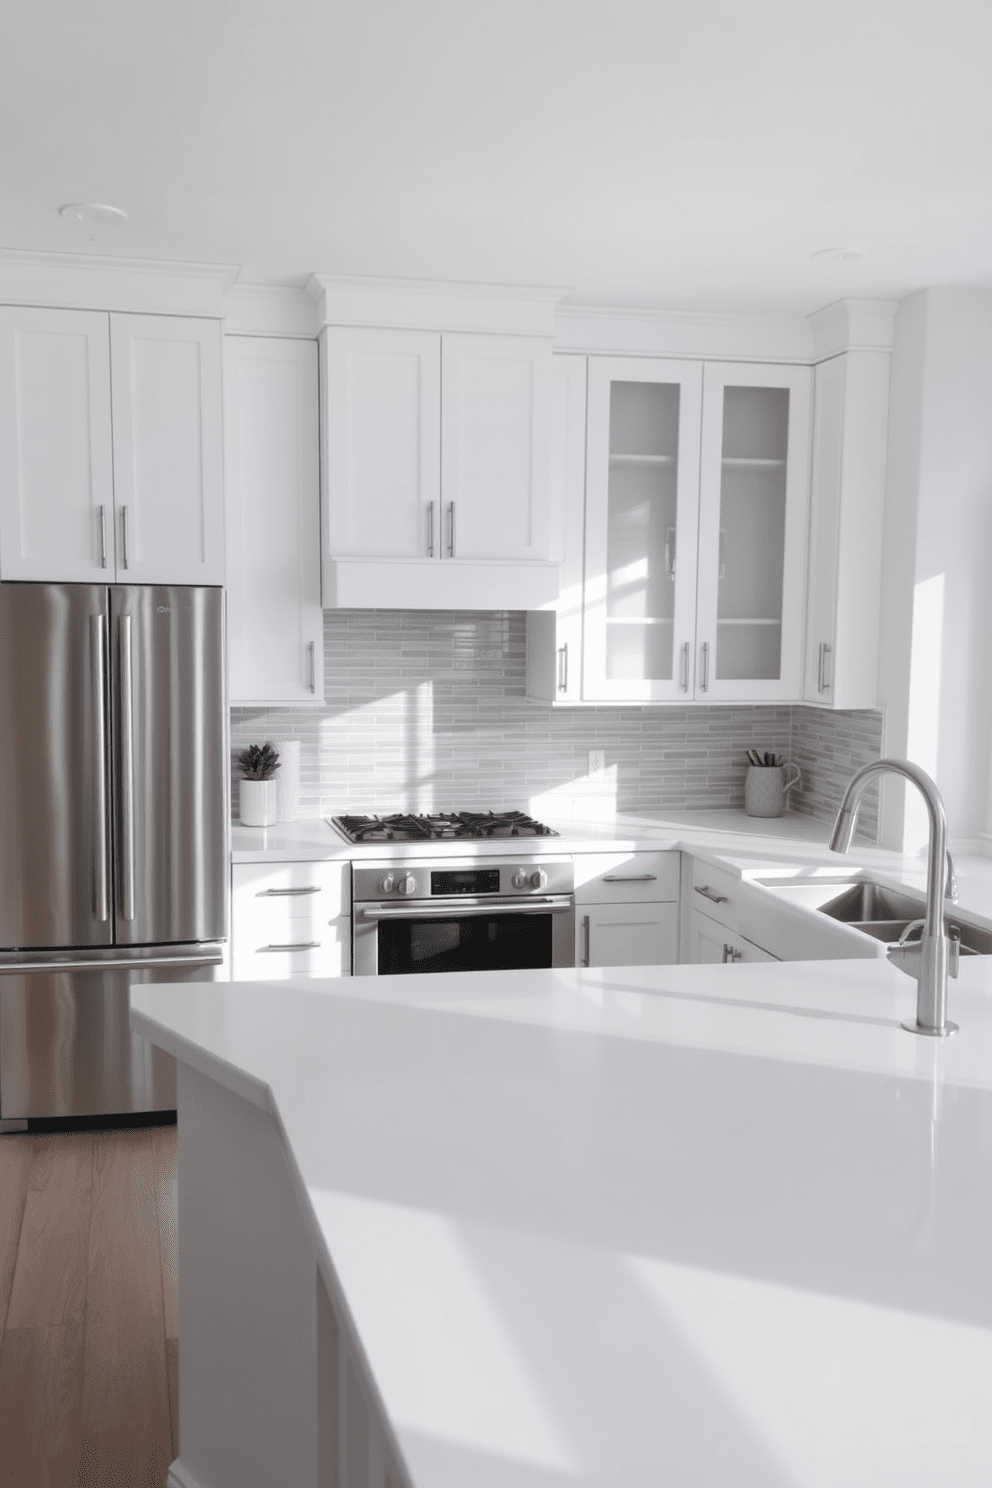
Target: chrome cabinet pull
824	679
300	945
451	529
585	940
124	538
430	529
629	877
670	552
287	893
127	773
103	537
312	662
563	667
98	686
684	670
704	667
708	893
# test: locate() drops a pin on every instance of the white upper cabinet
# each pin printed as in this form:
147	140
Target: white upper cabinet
110	448
850	418
696	502
168	455
495	428
754	485
56	459
554	633
382	455
642	505
274	618
436	469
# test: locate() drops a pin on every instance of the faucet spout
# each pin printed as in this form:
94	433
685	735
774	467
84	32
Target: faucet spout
929	959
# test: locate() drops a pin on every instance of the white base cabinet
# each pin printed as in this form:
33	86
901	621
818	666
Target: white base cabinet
275	623
290	919
626	909
712	942
111	461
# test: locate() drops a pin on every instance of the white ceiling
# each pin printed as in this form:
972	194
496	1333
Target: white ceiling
667	153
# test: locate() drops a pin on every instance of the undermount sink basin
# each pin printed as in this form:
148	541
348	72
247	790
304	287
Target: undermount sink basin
877	910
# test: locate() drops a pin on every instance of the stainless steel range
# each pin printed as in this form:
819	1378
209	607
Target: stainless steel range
447	912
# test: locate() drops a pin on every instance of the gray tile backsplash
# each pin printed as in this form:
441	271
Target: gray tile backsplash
426	709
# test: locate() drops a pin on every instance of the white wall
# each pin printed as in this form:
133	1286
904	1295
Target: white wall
936	645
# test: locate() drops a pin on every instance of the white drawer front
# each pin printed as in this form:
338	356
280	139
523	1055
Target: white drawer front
626	878
716	893
295	890
306	950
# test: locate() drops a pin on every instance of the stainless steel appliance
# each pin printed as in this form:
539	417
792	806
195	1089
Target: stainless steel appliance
441	826
445	913
113	834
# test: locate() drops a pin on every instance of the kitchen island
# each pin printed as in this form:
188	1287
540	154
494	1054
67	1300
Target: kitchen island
664	1225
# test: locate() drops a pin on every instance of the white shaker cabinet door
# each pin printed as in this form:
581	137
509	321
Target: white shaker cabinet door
627	934
56	460
168	457
381	450
274	619
495	447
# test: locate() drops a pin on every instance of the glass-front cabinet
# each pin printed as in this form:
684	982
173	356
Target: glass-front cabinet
642	508
697	485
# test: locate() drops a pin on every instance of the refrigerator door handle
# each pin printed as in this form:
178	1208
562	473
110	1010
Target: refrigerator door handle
127	772
98	685
124	963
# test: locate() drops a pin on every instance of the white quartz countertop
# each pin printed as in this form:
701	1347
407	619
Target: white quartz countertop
780	848
718	1226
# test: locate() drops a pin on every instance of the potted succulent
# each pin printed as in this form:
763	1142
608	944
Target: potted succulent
259	763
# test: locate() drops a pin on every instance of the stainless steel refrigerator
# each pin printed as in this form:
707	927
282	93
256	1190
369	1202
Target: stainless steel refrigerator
113	834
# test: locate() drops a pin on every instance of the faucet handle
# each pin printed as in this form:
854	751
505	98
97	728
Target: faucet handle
953	949
951	891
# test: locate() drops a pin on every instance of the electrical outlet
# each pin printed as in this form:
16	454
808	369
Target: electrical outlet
597	761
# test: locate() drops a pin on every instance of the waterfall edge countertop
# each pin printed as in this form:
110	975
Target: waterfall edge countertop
697	1224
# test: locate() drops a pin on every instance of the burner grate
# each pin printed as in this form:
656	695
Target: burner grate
444	826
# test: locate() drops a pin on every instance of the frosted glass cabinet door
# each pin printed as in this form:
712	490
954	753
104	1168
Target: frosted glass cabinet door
642	496
754	481
56	460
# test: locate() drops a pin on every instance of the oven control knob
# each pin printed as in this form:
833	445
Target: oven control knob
539	879
387	884
407	884
520	879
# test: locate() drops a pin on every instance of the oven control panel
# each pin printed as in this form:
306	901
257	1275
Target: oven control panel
475	878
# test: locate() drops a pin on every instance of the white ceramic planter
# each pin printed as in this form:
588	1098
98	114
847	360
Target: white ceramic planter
765	789
259	801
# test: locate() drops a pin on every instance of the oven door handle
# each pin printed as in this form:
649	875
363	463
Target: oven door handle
461	908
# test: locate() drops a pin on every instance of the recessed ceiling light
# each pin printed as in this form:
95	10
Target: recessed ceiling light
93	214
840	255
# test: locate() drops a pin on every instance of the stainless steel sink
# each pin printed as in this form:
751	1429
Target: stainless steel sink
885	913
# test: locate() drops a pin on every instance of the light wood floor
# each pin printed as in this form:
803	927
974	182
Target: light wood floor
89	1309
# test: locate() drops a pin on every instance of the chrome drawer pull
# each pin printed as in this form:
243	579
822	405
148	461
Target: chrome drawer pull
303	945
629	877
286	893
708	893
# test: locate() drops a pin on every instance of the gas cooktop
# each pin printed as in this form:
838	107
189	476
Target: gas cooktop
442	826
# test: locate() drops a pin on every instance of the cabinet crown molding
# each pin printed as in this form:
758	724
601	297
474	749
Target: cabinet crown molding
852	325
139	285
605	330
429	305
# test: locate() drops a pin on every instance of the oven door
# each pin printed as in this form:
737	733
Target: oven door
463	934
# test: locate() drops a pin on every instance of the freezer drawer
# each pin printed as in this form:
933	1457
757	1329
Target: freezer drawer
66	1046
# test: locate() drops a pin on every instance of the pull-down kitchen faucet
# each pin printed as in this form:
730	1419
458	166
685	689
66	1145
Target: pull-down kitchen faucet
931	958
